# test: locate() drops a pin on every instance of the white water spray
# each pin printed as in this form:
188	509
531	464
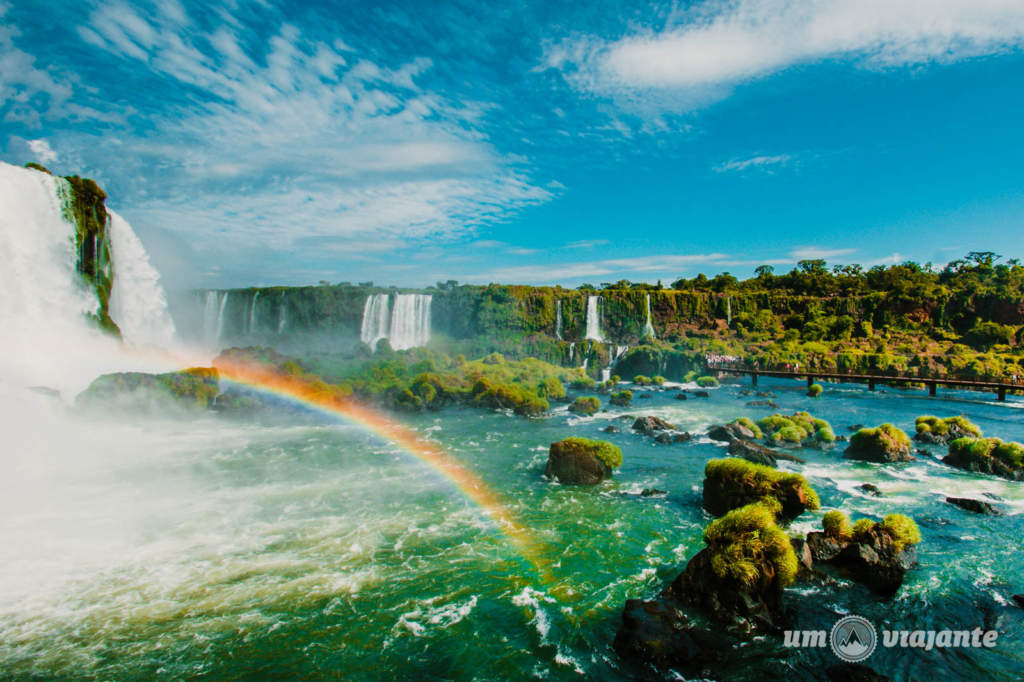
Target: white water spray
376	320
137	302
220	316
410	321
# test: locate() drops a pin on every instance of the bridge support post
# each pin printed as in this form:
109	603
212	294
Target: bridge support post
753	379
871	384
810	380
1002	394
931	388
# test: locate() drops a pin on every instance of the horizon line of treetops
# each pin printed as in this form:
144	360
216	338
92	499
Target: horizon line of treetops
978	271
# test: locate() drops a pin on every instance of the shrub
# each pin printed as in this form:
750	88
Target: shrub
814	390
748	547
937	426
641	380
658	380
825	435
977	452
757	482
608	453
552	388
882	440
707	382
581	382
902	529
749	424
861	527
622	398
790	434
837	525
585	405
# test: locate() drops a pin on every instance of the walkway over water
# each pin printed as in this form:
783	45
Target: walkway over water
999	388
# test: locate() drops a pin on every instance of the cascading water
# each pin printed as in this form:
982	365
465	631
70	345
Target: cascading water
252	311
410	321
210	311
572	352
282	317
220	316
137	301
558	320
616	355
376	319
45	305
648	327
594	319
728	310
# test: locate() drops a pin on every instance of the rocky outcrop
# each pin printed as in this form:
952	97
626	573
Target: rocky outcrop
878	555
883	444
976	506
582	461
732	483
190	389
660	430
987	456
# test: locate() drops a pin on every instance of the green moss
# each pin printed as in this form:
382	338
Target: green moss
707	382
861	528
814	390
748	547
658	380
837	525
885	438
552	388
622	398
825	435
641	380
902	529
749	424
757	481
607	452
941	427
585	405
965	452
38	167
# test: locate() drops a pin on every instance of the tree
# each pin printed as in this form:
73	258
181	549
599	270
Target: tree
764	271
814	265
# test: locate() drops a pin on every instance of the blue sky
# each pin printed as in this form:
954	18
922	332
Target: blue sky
256	143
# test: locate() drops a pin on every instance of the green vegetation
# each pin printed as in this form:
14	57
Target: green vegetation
837	526
799	428
707	382
641	380
754	482
749	424
882	443
608	453
38	166
190	388
748	547
814	390
944	428
902	529
987	455
658	380
585	405
622	398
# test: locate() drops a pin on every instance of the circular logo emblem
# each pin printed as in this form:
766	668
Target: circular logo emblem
853	639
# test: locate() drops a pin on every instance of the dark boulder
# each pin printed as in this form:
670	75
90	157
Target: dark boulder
853	672
650	425
682	396
666	437
653	492
874	560
1019	600
701	394
976	506
871	489
611	428
763	403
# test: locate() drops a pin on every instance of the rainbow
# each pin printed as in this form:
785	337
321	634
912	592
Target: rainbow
324	398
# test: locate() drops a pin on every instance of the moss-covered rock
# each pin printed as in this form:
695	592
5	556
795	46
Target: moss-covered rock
987	456
931	429
707	382
877	554
814	390
732	483
796	430
621	398
882	444
190	389
585	405
582	461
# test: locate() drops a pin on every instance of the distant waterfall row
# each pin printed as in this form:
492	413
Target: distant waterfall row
405	323
258	315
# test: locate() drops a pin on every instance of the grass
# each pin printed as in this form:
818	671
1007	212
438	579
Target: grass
585	405
885	438
608	453
749	548
942	427
759	481
707	382
902	529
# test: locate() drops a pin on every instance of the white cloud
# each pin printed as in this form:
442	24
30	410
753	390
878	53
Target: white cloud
667	264
299	140
587	243
761	162
43	151
815	252
21	81
710	48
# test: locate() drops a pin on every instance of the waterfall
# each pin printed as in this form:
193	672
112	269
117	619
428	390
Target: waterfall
572	352
616	354
252	311
376	322
593	319
282	316
45	304
210	318
728	310
558	320
410	321
137	301
648	327
220	315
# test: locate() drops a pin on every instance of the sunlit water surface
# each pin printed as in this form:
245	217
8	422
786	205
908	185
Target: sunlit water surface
141	548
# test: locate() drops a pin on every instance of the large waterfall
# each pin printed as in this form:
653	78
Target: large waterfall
137	301
410	321
558	320
407	325
594	319
45	304
376	321
648	327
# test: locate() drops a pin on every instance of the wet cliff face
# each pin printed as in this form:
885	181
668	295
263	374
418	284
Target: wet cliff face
85	206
